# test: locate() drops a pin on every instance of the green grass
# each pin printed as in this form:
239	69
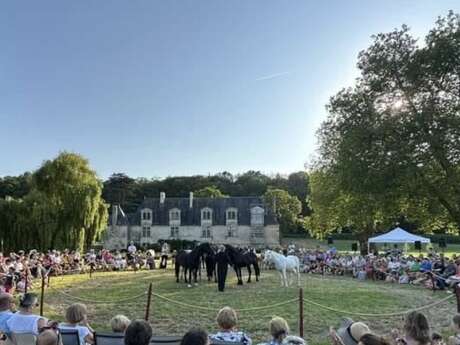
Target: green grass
341	293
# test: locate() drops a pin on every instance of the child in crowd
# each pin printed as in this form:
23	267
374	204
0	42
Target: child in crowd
227	321
76	318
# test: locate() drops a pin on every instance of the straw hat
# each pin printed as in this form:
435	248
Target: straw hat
350	332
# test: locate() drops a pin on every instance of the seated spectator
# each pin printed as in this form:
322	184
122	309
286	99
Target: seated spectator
416	330
6	305
195	337
371	339
25	321
76	318
293	340
227	321
436	339
349	333
48	337
279	330
455	339
138	332
119	323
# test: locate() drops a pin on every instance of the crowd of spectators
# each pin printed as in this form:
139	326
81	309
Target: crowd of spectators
415	331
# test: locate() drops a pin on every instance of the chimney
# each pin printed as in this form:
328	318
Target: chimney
190	202
162	197
114	215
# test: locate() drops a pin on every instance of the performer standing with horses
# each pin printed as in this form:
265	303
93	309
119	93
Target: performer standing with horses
222	260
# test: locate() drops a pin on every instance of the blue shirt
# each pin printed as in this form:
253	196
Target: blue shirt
425	266
4	317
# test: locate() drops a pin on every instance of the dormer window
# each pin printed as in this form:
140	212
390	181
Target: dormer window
231	215
206	215
257	216
174	215
146	215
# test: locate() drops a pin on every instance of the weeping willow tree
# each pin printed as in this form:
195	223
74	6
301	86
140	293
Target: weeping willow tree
64	208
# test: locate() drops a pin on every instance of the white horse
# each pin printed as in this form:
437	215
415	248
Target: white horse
284	264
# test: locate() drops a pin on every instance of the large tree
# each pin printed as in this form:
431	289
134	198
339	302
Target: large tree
397	130
287	209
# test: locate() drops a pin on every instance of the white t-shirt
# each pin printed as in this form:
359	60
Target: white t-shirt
132	248
24	323
83	331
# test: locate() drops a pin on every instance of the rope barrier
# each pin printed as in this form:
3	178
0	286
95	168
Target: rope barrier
186	305
99	301
381	314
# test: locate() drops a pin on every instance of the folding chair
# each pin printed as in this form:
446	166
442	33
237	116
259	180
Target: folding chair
70	337
165	340
108	338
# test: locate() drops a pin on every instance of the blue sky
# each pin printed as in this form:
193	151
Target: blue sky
158	88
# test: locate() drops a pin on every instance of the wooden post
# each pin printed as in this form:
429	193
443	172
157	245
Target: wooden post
27	280
301	312
149	300
42	296
457	294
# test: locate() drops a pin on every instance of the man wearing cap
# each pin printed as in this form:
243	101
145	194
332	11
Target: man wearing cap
349	332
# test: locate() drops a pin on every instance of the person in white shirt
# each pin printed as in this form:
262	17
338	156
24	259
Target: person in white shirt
76	318
132	248
25	321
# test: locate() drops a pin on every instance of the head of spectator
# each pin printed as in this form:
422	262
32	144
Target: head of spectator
456	323
350	332
138	332
195	337
227	319
119	323
6	302
436	339
371	339
416	328
76	313
48	337
279	329
28	302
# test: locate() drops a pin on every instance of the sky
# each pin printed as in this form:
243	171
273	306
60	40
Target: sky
162	88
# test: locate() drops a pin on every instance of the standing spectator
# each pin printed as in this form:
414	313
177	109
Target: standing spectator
138	332
25	321
76	318
227	321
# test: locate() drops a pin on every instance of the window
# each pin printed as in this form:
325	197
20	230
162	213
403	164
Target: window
206	215
232	215
146	231
174	216
257	216
174	231
146	215
206	232
231	230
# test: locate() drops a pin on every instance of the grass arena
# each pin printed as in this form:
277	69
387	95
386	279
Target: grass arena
175	308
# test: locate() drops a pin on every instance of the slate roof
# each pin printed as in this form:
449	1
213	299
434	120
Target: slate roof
192	216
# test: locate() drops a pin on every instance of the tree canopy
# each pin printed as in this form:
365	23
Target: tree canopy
391	143
63	209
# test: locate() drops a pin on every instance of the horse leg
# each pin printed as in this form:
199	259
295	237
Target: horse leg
257	271
177	269
285	280
238	275
281	278
249	271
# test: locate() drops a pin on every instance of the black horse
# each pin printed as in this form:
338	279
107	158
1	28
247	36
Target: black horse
191	262
239	259
210	261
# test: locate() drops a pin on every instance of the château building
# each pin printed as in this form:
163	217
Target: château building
244	221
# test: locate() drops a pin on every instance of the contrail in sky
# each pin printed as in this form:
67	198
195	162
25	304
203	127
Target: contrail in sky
272	76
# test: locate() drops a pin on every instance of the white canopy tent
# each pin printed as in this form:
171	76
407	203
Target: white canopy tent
398	235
